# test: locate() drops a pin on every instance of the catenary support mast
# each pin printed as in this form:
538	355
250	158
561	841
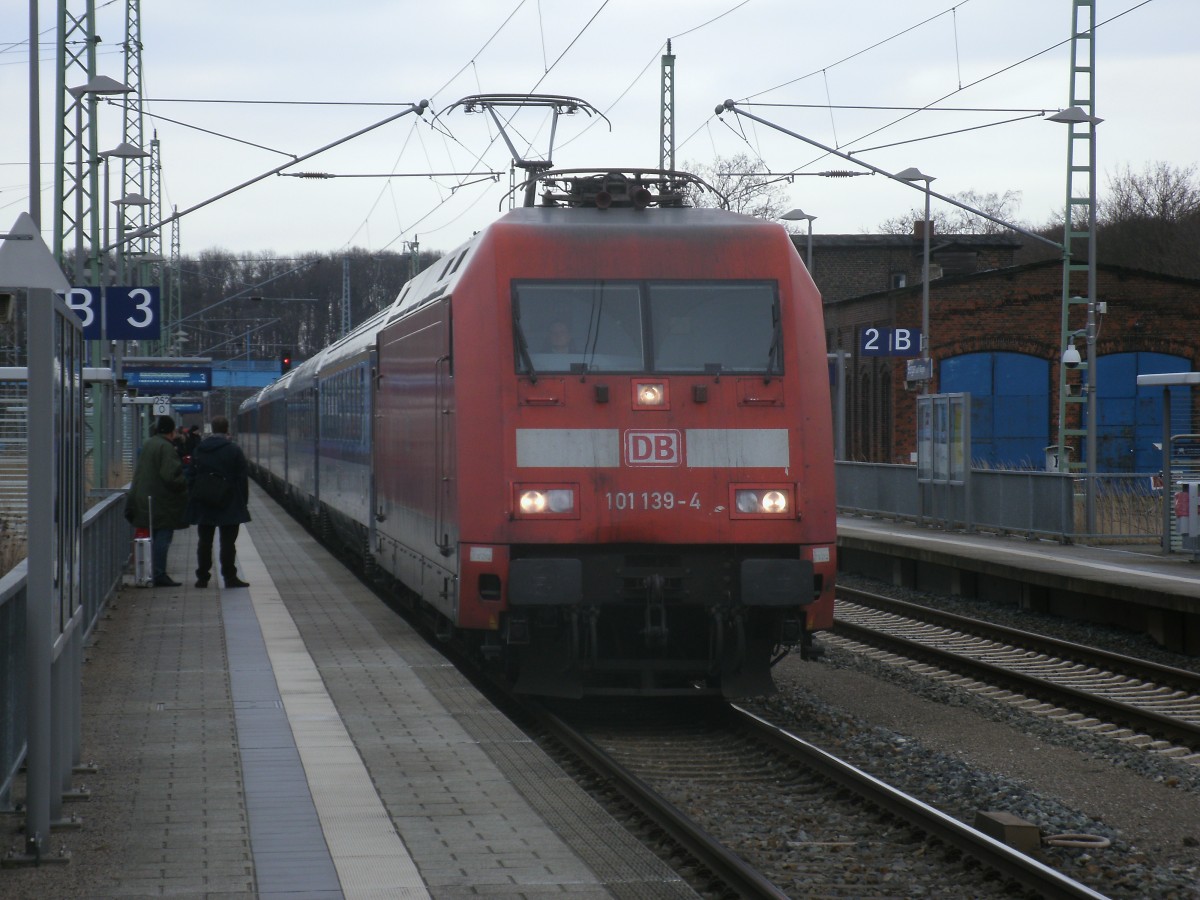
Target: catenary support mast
666	147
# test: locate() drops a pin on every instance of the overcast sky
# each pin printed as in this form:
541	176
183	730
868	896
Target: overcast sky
235	88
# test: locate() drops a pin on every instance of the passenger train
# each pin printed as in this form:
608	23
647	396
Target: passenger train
594	442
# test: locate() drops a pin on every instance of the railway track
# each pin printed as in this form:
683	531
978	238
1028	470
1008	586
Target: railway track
693	776
1138	702
710	774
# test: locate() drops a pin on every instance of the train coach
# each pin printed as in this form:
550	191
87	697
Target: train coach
594	442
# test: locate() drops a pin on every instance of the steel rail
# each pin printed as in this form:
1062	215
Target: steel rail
1030	873
1153	723
735	872
1138	668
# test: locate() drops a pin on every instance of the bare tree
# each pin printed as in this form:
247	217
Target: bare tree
1161	192
300	299
739	180
1151	220
953	220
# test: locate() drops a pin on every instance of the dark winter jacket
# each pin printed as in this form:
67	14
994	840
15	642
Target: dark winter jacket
158	478
218	453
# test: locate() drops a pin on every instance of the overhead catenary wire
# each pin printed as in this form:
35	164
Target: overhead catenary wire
491	176
857	53
929	107
710	21
932	104
957	57
940	134
417	107
545	32
128	106
472	63
642	72
531	90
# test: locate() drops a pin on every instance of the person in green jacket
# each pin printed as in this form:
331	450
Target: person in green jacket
158	496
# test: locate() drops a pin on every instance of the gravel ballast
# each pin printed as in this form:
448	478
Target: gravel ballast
965	754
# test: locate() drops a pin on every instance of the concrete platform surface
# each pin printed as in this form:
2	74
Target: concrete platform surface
296	739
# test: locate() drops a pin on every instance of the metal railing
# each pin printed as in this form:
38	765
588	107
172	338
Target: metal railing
106	542
1035	504
52	598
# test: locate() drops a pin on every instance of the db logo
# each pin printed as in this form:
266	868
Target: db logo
652	448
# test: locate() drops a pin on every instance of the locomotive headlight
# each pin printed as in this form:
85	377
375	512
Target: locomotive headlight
774	502
651	394
761	501
545	501
534	502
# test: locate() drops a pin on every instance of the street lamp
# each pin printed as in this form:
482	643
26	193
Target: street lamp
795	215
910	175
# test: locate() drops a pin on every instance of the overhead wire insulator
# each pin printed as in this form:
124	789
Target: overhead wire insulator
311	174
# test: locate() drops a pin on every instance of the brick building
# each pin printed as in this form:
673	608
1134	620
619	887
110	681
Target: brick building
995	331
851	265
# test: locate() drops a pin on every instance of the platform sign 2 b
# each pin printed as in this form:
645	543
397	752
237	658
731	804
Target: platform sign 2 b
875	341
118	313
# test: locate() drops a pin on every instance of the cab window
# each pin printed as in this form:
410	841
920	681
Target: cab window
685	327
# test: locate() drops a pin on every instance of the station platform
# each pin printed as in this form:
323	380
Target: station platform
1135	586
297	739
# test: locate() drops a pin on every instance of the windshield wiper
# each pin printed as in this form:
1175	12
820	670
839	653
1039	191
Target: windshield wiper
773	355
523	349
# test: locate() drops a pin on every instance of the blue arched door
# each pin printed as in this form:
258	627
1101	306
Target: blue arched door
1010	406
1130	418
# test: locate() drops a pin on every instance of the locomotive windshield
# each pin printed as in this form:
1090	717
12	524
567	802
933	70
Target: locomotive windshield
677	327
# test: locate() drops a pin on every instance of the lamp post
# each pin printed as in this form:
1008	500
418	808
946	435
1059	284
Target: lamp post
111	444
835	354
127	200
101	85
123	150
910	175
118	347
1073	117
795	215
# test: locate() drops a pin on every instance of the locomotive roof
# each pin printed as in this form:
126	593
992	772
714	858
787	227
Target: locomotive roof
664	220
440	278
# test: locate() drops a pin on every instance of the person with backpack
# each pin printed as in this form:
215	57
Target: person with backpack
218	498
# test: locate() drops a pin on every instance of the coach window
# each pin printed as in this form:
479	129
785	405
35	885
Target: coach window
578	326
697	327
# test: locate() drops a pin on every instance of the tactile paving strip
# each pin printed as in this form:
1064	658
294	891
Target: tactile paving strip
316	821
481	809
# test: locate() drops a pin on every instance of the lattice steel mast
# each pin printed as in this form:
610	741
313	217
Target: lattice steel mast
1077	412
133	173
75	213
666	146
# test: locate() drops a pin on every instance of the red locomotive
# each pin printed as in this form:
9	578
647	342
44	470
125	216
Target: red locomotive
595	440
